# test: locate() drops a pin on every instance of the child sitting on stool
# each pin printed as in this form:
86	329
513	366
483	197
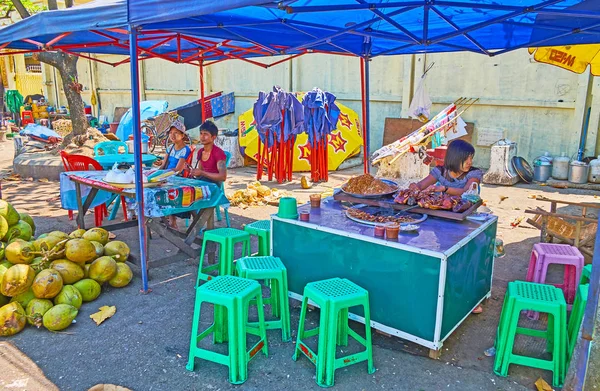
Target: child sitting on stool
177	154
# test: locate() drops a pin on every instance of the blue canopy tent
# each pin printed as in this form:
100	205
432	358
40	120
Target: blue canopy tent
203	33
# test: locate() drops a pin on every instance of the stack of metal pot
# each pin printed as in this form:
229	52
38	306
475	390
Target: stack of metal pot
542	167
578	171
594	174
560	167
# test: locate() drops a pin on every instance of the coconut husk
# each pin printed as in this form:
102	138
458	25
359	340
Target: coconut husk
84	144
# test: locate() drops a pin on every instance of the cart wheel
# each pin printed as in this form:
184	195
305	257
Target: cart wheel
150	131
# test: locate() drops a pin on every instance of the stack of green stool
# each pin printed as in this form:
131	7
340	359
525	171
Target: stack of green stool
270	269
262	230
576	316
227	238
522	296
234	294
334	296
586	273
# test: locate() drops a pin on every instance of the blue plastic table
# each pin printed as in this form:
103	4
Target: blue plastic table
107	161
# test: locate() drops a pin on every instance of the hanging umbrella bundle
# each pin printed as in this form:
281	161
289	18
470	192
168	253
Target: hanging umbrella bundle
279	118
320	119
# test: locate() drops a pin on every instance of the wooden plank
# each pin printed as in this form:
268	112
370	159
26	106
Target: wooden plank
175	240
580	204
576	218
396	128
388	202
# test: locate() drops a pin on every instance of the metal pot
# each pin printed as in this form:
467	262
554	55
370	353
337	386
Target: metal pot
560	167
578	172
594	175
542	169
130	146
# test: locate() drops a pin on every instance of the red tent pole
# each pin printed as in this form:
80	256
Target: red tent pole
259	166
202	90
364	114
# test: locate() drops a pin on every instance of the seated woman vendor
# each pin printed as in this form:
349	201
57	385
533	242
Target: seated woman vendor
211	160
457	175
178	153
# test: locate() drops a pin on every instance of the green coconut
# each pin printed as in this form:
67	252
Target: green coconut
89	289
12	319
117	247
99	248
97	235
103	269
29	220
20	230
123	276
9	213
77	234
47	284
24	298
80	251
59	317
69	295
46	243
3	227
69	271
20	251
17	279
59	234
35	311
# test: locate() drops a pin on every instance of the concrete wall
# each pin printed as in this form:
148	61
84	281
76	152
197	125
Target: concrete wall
541	107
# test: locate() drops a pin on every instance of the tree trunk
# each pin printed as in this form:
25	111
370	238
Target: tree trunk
21	9
52	5
67	66
68	3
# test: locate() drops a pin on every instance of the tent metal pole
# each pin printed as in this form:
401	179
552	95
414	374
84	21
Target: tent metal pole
202	90
367	133
364	115
587	327
137	154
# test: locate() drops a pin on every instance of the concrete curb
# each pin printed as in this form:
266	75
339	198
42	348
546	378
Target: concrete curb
38	165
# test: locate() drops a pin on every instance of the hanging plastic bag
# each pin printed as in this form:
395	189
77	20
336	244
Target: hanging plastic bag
421	104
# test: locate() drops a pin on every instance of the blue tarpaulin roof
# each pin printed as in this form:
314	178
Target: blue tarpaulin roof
178	30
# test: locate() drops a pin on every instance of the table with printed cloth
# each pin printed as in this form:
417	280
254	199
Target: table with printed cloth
81	190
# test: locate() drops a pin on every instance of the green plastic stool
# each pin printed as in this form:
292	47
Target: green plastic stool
522	296
334	296
261	229
227	238
586	273
270	269
577	316
234	294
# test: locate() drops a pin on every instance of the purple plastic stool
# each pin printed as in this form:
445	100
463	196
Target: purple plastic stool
544	254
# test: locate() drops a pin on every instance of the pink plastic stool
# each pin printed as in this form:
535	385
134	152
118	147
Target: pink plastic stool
544	254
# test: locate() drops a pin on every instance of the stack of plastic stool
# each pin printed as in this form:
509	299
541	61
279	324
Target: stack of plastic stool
270	269
227	238
540	298
334	296
586	274
543	255
235	295
576	316
262	230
